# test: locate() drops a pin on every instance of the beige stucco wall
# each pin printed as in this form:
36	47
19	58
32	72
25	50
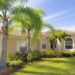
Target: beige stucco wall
12	42
11	46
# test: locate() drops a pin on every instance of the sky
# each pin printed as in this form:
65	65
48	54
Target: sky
59	13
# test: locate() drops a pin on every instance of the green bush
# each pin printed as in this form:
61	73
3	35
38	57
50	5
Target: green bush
18	56
67	54
11	57
21	56
29	57
37	55
48	53
14	64
73	53
32	56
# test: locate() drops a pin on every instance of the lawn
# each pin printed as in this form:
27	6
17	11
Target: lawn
49	66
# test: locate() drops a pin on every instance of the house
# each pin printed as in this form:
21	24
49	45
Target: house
17	42
68	44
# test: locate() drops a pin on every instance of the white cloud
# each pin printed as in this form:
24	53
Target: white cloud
54	16
62	18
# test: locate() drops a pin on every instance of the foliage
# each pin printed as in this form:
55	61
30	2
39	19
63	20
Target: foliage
48	53
22	56
32	56
18	56
61	35
10	57
68	54
14	63
29	20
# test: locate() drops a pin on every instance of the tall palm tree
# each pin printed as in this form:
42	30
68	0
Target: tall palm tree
30	21
6	7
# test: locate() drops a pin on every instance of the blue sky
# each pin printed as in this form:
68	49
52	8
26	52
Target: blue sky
59	13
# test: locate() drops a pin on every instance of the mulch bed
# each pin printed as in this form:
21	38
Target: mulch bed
10	70
7	71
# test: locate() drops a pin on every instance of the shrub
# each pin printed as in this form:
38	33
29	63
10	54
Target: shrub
33	56
37	55
67	54
18	56
21	56
14	64
73	53
11	57
48	53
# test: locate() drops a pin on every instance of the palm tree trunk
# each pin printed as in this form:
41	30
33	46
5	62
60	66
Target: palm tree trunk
4	44
3	53
28	41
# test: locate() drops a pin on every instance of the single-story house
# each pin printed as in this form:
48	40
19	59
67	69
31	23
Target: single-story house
16	42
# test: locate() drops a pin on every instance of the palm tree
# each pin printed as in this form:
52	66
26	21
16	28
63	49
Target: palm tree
57	35
53	38
30	22
61	36
6	7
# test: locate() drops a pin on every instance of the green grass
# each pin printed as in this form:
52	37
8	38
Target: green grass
49	66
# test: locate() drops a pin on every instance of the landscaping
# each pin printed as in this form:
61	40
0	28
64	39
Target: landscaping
49	66
40	63
26	49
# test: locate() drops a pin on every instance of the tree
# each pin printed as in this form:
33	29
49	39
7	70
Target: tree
53	38
61	36
30	21
6	6
57	35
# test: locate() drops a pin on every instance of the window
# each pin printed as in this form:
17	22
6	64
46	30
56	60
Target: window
23	49
43	46
68	43
21	46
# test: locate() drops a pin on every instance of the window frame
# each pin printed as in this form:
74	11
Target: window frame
68	43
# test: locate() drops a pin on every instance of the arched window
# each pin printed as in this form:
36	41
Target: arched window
68	43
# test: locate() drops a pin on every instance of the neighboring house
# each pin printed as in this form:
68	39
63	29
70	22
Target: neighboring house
18	43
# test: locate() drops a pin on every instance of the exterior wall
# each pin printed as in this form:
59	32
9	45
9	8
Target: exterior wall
12	43
46	42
